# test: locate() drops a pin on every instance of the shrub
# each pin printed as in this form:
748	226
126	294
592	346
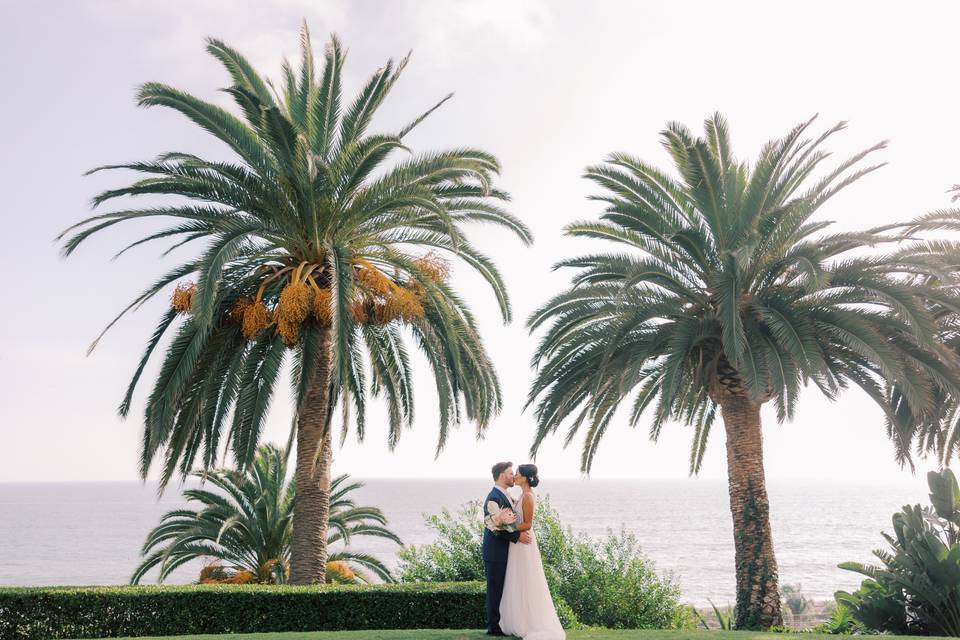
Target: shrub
607	583
916	590
568	619
724	617
841	622
454	556
52	613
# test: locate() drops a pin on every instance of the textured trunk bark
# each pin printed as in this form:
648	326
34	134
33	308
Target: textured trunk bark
758	591
311	503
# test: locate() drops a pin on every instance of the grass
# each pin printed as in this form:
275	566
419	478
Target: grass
451	634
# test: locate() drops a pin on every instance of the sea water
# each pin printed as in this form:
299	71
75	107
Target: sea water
92	533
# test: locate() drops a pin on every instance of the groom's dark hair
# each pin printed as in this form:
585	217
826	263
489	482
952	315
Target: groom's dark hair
499	468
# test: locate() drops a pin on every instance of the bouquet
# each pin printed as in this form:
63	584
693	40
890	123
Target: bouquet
500	519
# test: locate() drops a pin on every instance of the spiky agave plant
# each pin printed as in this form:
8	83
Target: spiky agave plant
317	242
726	294
244	528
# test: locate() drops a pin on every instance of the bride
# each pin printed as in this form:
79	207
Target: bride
526	609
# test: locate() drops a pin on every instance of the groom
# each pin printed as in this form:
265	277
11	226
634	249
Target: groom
496	545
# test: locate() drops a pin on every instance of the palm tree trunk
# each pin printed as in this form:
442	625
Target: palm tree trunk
311	503
758	591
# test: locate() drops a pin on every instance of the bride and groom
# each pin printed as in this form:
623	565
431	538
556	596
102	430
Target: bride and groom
518	599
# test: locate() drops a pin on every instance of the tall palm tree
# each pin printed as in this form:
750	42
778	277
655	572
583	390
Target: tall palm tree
724	294
318	243
248	525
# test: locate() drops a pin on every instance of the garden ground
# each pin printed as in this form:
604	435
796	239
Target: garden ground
450	634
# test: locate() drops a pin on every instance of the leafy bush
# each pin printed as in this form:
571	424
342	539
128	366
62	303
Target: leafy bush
568	619
52	613
917	588
724	617
607	583
841	622
454	556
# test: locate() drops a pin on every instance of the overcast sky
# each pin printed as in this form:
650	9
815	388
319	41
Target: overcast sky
548	87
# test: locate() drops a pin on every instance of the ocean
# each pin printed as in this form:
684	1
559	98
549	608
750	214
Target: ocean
91	533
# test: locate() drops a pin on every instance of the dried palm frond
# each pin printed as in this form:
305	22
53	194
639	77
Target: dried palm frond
241	577
216	573
270	569
338	569
213	572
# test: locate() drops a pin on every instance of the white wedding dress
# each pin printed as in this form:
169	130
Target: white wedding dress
526	609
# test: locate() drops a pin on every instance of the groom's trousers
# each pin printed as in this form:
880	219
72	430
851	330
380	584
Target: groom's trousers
496	573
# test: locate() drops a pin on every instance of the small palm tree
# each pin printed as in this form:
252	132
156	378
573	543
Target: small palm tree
724	295
246	527
319	244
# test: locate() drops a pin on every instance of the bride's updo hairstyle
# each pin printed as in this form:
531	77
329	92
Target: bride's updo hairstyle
530	472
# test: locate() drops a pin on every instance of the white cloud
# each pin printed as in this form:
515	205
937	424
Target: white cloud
442	30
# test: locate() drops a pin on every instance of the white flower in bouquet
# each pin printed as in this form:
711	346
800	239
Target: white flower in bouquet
500	518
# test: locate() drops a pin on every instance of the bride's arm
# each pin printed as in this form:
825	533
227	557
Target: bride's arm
527	513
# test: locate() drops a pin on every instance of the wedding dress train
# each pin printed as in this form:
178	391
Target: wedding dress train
526	609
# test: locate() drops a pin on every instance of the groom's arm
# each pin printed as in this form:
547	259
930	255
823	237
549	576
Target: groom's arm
510	536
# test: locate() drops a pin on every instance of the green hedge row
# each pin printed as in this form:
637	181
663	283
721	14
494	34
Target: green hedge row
54	613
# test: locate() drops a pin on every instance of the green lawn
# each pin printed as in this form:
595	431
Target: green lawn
440	634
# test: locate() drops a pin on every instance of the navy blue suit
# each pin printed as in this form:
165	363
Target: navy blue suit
496	546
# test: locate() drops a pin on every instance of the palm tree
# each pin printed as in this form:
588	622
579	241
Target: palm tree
248	525
725	295
319	244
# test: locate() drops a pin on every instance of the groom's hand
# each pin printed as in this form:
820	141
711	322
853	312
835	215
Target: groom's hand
525	537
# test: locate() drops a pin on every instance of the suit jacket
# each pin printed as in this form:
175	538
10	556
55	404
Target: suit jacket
496	546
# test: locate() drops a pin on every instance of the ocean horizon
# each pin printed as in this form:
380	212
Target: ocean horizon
90	533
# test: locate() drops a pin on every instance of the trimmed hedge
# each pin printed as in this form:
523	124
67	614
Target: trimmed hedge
55	613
